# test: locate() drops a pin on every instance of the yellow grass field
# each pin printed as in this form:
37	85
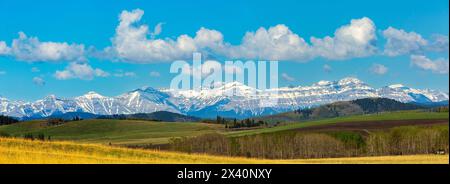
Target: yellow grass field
20	151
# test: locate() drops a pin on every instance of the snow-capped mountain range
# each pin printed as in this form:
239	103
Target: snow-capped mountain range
244	101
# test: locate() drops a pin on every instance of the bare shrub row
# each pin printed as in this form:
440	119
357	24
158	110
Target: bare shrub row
293	145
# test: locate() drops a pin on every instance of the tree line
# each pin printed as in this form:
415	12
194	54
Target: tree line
60	121
6	120
439	109
235	123
296	145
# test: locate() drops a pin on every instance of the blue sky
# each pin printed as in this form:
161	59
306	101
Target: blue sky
417	55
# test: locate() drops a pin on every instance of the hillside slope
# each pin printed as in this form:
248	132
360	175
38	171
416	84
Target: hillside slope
386	116
154	116
130	132
343	108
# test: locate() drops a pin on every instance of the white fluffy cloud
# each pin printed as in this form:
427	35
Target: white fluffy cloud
354	40
208	38
378	69
439	44
4	49
275	43
440	65
286	77
401	42
132	43
280	43
39	81
81	71
31	49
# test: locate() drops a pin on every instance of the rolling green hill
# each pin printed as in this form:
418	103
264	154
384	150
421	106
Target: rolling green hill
399	115
130	132
342	108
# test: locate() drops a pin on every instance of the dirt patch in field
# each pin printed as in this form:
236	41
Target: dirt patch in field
366	126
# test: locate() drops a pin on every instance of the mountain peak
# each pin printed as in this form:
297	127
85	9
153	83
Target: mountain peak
233	84
323	83
50	97
3	98
146	89
350	80
93	94
397	86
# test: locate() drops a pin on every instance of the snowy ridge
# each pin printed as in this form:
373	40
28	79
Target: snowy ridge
231	99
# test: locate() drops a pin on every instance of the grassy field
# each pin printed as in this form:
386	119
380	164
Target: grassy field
20	151
401	115
130	132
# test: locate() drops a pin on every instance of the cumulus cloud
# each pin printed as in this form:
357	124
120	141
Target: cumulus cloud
286	77
135	43
399	42
4	49
275	43
210	39
131	42
31	49
378	69
81	71
354	40
39	81
440	65
439	43
155	74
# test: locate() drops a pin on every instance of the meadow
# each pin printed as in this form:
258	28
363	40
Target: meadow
118	132
20	151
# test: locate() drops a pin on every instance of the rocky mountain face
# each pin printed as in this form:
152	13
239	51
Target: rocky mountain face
229	100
